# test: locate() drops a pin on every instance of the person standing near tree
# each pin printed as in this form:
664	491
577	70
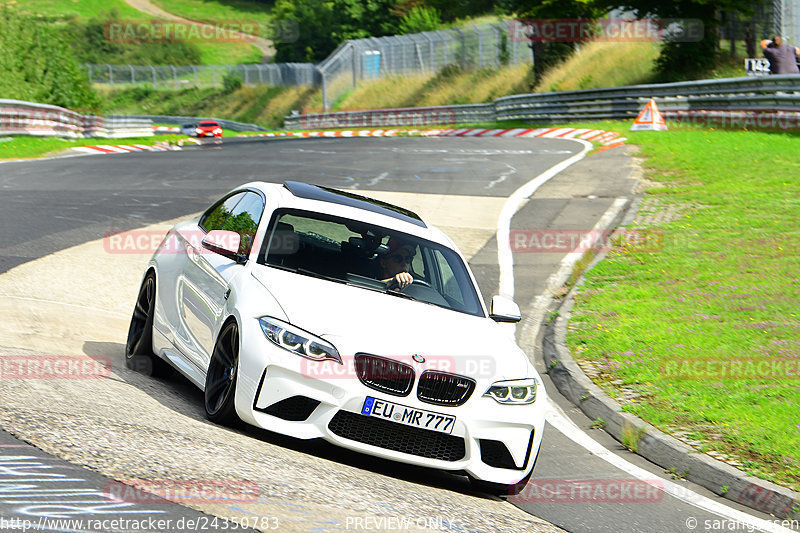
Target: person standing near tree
782	57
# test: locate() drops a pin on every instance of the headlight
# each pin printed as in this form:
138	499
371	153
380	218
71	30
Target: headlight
218	131
298	341
520	392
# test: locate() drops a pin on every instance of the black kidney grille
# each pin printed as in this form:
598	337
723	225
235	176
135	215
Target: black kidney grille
397	437
443	388
385	375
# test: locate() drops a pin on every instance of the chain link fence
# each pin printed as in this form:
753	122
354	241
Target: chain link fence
472	47
173	77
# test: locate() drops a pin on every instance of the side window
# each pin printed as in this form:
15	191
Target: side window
240	212
215	217
244	220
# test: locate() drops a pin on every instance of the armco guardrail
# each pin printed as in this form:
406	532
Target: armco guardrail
774	101
179	120
27	118
409	116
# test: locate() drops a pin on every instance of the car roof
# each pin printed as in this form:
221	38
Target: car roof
349	205
326	194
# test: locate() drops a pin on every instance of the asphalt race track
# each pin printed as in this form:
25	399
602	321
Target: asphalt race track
72	295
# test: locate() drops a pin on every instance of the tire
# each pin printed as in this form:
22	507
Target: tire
221	377
139	354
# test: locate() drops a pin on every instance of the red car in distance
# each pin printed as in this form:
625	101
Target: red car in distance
209	128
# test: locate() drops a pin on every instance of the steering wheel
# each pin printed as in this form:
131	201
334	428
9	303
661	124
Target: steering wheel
392	283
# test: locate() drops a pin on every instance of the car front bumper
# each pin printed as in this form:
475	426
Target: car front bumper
283	392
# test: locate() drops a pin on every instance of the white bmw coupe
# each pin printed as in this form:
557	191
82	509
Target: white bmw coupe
318	313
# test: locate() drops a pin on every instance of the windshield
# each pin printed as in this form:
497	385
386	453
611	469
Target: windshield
363	255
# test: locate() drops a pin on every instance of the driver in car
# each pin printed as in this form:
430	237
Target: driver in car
396	262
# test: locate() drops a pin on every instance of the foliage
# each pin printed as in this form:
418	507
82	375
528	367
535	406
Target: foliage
39	66
325	24
682	56
315	20
549	54
462	9
90	44
421	19
231	82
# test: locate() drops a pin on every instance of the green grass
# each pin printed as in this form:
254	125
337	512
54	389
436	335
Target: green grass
602	64
263	105
221	53
211	10
718	283
228	54
32	147
85	9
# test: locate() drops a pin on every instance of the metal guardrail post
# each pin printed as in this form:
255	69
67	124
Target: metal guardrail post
480	46
463	48
325	104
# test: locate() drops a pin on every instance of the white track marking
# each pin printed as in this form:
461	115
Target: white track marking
504	258
557	419
555	416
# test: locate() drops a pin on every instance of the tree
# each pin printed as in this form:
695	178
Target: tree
546	54
686	56
39	66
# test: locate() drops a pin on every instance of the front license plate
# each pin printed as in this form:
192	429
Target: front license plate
408	416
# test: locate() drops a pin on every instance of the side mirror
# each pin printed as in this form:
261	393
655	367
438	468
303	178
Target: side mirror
504	309
225	243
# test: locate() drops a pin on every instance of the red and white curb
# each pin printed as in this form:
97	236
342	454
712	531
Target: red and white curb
608	139
123	148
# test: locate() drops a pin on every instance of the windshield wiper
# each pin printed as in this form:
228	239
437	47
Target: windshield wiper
313	274
395	292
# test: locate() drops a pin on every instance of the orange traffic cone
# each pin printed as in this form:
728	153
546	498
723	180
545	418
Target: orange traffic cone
649	119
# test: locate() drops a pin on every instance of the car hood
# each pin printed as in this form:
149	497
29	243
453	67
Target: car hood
362	320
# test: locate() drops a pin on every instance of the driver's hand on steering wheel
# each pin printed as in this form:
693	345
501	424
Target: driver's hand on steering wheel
403	279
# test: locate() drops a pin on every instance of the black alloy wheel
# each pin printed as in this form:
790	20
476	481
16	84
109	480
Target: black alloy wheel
139	354
220	388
